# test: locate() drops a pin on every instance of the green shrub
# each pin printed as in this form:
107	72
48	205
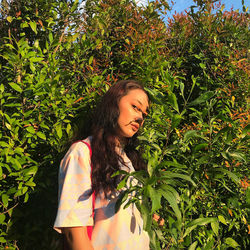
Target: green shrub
56	61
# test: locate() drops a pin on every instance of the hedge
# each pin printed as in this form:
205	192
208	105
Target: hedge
56	61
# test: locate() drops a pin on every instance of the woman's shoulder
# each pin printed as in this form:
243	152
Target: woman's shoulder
78	157
80	147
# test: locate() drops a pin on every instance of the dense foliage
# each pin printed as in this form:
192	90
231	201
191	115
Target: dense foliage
56	60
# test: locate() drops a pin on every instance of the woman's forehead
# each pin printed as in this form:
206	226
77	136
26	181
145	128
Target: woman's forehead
139	96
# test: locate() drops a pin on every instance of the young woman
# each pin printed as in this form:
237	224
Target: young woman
87	190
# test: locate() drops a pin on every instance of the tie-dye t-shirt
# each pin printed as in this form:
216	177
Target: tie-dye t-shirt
121	230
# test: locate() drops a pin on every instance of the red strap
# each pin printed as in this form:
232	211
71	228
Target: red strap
90	228
90	150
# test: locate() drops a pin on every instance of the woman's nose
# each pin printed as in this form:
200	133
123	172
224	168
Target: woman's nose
139	120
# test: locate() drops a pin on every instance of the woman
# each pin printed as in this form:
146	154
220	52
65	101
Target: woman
87	170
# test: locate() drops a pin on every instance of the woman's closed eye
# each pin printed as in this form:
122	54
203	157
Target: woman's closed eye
136	108
139	110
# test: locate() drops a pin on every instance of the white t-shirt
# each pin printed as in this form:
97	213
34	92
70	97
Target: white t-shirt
121	230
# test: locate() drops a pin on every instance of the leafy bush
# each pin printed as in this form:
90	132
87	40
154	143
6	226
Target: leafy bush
56	61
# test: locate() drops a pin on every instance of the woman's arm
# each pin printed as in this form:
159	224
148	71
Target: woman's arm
77	238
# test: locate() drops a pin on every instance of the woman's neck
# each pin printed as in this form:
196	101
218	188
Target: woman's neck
121	142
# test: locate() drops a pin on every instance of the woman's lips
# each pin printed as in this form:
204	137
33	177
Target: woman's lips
135	126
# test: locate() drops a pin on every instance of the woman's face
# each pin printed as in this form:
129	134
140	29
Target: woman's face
133	109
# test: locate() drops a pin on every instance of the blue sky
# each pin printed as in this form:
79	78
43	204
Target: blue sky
181	5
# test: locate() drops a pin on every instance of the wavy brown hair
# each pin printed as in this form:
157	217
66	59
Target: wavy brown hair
105	160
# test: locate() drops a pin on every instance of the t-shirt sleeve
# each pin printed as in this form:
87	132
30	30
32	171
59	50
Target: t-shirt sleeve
75	203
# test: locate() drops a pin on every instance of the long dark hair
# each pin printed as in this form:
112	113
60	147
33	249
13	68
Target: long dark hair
105	160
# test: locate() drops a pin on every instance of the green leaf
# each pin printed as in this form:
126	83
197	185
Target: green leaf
238	156
155	95
2	88
2	218
31	129
155	198
193	246
215	227
50	37
201	221
8	126
59	130
248	195
9	19
121	199
222	219
2	240
26	197
33	26
15	87
41	135
231	242
189	134
36	59
166	187
209	245
68	129
172	202
231	175
200	146
4	144
141	176
188	231
176	119
182	88
152	163
17	164
202	65
24	190
30	184
173	101
203	98
122	183
220	133
91	60
170	175
24	25
147	218
30	171
5	200
246	130
74	7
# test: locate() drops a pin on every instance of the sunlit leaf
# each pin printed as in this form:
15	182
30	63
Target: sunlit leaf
215	227
201	221
231	242
222	219
193	246
41	135
31	129
33	26
16	87
2	218
5	199
59	130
